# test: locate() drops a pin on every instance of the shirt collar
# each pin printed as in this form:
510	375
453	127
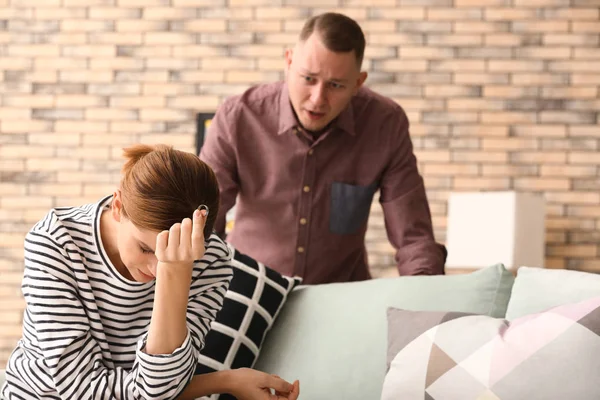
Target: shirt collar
345	121
288	121
287	118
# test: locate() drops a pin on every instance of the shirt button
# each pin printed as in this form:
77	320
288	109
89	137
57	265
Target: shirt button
300	249
310	152
302	221
306	189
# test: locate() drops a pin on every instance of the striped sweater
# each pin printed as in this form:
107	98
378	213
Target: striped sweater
85	326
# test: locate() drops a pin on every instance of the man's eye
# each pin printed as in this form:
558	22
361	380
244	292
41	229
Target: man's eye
308	78
335	85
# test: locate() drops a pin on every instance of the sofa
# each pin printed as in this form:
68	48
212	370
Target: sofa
337	339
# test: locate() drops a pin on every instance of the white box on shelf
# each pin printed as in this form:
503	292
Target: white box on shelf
486	228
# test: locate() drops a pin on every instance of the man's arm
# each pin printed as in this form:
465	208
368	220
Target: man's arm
219	153
406	209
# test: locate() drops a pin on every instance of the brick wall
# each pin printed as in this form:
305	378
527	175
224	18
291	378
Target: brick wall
501	94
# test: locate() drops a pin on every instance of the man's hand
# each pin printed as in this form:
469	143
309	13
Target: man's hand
251	384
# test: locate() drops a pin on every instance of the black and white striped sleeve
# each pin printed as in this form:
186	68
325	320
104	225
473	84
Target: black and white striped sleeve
212	276
211	279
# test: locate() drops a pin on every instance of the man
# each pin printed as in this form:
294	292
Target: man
304	158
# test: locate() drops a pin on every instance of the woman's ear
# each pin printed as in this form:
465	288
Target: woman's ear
116	206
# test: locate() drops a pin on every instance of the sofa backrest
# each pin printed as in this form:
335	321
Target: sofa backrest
333	338
539	289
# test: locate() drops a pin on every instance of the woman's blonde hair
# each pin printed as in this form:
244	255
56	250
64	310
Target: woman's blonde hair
161	186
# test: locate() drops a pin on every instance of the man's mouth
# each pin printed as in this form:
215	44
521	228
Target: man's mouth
315	115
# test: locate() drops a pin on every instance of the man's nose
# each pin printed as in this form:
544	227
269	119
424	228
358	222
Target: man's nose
317	96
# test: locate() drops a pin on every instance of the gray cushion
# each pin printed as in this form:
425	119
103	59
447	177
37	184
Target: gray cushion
553	355
333	337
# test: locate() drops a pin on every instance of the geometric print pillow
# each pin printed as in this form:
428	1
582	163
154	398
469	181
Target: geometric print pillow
552	355
255	297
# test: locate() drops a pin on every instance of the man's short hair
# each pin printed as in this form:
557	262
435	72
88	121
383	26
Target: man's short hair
339	33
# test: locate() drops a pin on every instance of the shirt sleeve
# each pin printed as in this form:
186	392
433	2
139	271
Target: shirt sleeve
219	153
69	359
406	208
211	279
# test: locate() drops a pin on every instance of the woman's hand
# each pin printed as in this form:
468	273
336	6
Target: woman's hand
292	394
251	384
176	250
178	247
243	383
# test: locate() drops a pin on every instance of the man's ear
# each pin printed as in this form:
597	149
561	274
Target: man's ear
117	206
362	77
289	54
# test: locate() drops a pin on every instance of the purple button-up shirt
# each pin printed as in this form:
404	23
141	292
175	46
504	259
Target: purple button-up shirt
302	204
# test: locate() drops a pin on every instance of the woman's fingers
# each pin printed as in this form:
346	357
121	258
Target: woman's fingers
162	240
290	395
278	384
198	234
295	391
174	237
185	240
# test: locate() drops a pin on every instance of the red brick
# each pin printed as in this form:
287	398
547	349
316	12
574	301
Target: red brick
481	183
510	170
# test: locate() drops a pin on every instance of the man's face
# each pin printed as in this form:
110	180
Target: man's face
321	82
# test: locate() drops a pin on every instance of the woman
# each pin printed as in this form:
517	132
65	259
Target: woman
121	293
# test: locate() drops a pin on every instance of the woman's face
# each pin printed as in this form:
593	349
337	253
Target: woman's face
136	246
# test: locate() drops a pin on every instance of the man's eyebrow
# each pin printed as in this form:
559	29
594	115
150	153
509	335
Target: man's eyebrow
307	72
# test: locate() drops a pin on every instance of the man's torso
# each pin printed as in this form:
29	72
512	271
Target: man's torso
303	205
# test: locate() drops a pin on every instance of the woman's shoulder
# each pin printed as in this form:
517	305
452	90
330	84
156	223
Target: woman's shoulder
61	225
216	262
55	245
58	216
216	247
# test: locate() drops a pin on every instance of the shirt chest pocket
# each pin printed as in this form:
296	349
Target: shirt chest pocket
350	205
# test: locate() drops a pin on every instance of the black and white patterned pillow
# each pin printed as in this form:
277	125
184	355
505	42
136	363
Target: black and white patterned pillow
256	295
